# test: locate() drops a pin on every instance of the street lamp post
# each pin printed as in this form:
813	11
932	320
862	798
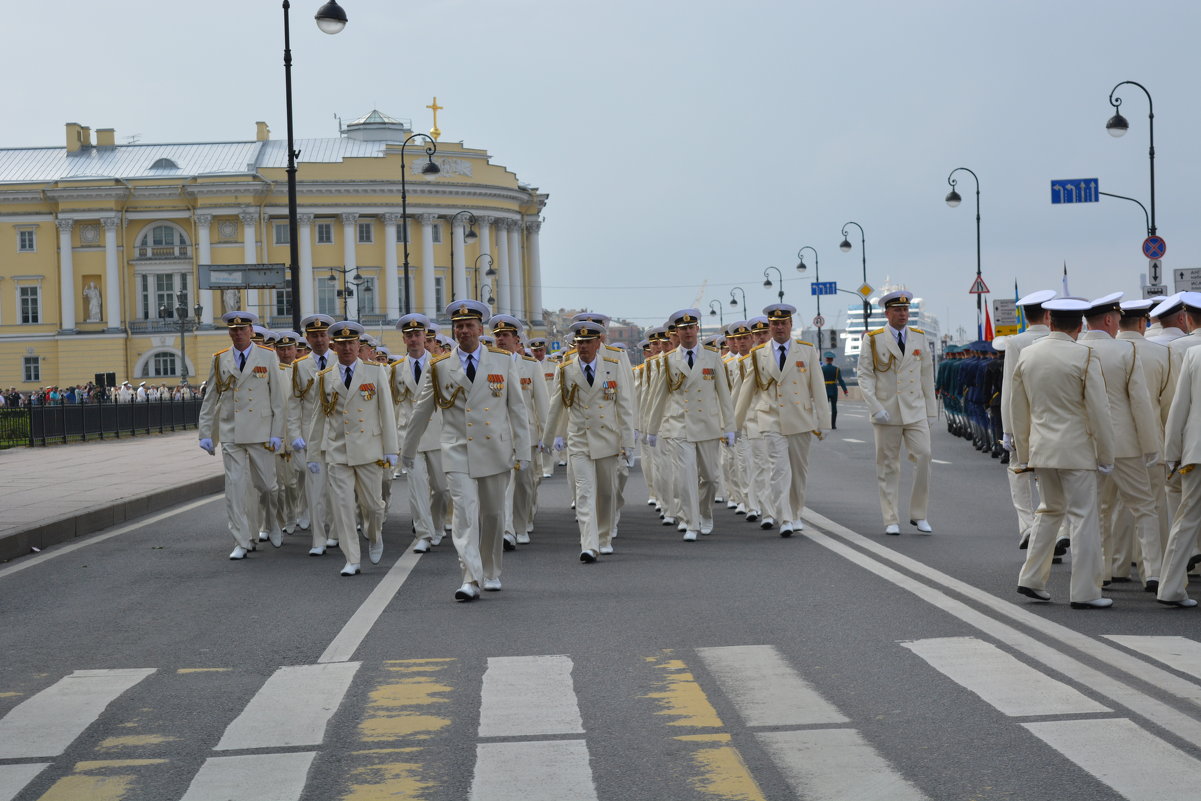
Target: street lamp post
1117	126
331	19
779	276
716	311
488	297
185	325
801	267
346	293
468	238
430	168
734	300
489	272
845	247
953	200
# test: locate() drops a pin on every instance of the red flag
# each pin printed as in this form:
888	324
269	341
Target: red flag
988	335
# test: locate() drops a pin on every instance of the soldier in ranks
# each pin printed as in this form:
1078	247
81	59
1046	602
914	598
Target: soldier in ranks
758	477
1022	489
240	412
832	376
353	439
787	391
1136	442
1170	318
738	338
1190	319
670	509
521	497
730	481
643	377
691	409
1182	453
546	368
485	434
592	418
289	467
304	394
264	504
896	377
428	491
1061	430
258	334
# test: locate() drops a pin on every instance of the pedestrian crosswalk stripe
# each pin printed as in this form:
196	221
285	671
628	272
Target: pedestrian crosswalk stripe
1011	686
553	770
15	777
46	723
1178	653
765	690
254	777
292	708
529	696
835	765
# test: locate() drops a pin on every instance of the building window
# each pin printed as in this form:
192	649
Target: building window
27	241
158	290
367	296
402	232
281	234
30	298
33	368
163	242
325	233
163	365
436	231
366	233
439	293
283	302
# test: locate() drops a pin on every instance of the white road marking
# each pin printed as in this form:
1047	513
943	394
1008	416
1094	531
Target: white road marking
554	770
835	765
939	461
361	622
257	777
528	696
1135	763
291	709
1178	653
13	778
848	439
1179	723
46	723
765	689
63	550
1013	687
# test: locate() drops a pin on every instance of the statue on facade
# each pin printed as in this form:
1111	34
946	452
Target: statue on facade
92	293
231	300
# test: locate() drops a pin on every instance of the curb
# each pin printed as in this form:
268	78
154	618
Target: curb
74	526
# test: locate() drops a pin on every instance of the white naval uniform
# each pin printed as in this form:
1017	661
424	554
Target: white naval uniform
521	494
1182	445
428	490
1022	487
316	485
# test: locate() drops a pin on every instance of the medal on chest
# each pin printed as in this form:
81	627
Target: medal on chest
496	383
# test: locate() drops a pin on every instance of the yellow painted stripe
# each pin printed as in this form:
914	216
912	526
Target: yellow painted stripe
108	764
10	695
389	781
92	780
724	775
203	670
406	706
135	741
680	697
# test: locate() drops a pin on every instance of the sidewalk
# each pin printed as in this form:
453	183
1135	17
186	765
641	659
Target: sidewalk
54	494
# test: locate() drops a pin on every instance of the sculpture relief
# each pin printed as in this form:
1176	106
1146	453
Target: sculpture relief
91	293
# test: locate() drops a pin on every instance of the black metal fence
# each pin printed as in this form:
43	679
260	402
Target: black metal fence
81	422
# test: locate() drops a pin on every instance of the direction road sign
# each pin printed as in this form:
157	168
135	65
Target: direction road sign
243	276
1188	280
1075	190
1154	247
1154	290
865	290
1154	271
819	322
978	287
823	288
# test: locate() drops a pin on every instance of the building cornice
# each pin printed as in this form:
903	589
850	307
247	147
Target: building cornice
87	193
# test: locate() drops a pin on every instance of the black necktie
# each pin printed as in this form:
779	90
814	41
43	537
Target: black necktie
241	361
416	372
689	360
783	353
321	361
901	342
349	374
588	373
470	368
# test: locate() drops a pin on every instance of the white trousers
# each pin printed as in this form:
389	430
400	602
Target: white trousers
354	487
428	494
1070	494
479	519
316	490
788	455
1182	541
1023	489
695	467
916	437
595	499
1130	483
758	474
249	474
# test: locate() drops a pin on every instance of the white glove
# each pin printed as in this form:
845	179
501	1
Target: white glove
1172	466
629	457
314	467
1007	442
275	444
559	444
637	436
390	458
298	444
408	462
1105	468
207	445
652	440
730	437
523	464
1151	458
880	416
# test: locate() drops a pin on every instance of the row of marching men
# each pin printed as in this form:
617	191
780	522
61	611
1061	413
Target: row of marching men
1098	410
969	385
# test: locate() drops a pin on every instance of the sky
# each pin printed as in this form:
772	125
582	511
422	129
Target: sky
688	146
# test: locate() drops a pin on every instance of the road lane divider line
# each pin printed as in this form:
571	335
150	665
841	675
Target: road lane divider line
291	709
1179	653
348	640
765	689
45	724
254	777
527	696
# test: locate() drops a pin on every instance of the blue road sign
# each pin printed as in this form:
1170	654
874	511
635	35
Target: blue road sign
1154	247
556	345
1075	190
823	288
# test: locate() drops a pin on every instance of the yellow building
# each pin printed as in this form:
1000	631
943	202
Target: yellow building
97	237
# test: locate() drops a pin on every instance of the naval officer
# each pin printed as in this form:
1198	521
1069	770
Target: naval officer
304	395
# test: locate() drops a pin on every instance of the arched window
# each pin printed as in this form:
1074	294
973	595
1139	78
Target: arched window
163	365
164	164
163	241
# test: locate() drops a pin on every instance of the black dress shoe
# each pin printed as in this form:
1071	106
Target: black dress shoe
1061	547
587	557
1025	543
1038	595
1152	585
1193	561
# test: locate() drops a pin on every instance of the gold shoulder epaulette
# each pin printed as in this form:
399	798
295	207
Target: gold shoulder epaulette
918	330
757	347
223	350
501	351
528	358
611	347
672	350
439	358
803	342
327	369
715	350
302	358
264	347
614	361
569	352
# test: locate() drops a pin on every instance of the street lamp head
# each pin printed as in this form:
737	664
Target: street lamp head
331	18
431	168
767	282
471	235
490	271
801	266
712	311
845	245
358	280
733	300
953	198
1117	125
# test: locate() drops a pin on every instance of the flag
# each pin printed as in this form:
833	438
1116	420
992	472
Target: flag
1066	293
1021	315
988	336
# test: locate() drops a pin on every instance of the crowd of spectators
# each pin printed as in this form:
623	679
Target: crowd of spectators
90	393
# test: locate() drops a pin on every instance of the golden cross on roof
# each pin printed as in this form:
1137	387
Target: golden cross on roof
434	132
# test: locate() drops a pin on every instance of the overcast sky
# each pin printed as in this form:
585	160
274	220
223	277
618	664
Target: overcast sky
684	142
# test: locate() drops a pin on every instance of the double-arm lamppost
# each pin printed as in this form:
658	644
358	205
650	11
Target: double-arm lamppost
429	168
801	267
845	247
767	281
953	200
186	324
489	272
346	293
716	311
331	19
734	300
1117	126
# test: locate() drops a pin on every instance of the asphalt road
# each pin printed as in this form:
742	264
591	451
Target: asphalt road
842	664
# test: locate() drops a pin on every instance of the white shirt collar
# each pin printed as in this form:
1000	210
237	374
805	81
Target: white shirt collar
245	352
475	356
897	332
786	345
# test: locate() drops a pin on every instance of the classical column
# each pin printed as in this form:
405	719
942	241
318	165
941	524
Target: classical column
517	282
534	262
428	298
458	268
482	264
349	256
502	267
66	276
204	255
112	275
393	305
250	221
304	230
